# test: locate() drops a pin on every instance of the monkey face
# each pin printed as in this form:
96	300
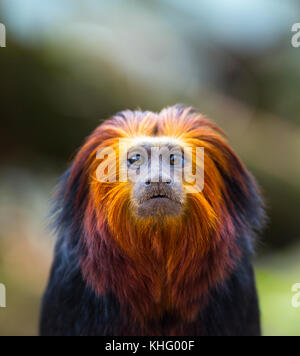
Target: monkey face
155	169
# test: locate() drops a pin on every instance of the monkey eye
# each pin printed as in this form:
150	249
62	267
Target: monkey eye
136	160
176	160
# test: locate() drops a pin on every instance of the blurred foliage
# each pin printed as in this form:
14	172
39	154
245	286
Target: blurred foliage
68	66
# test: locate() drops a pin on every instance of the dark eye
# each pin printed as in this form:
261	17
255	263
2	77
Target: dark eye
136	160
176	160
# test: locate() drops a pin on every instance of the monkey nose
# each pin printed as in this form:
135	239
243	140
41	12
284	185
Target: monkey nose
161	182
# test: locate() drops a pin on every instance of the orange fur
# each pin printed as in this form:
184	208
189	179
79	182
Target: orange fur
156	267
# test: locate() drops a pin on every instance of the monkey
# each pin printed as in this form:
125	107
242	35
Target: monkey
155	255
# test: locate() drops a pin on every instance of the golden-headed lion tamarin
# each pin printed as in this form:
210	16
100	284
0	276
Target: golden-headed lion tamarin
148	256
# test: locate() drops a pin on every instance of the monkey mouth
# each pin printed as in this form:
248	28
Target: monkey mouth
159	196
159	205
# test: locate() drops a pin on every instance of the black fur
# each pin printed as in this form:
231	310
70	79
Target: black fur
71	308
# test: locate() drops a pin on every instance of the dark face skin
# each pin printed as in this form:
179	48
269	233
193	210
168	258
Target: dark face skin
157	189
158	199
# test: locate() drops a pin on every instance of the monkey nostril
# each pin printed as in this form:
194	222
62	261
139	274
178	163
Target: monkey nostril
167	182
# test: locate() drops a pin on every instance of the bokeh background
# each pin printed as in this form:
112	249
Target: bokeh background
69	64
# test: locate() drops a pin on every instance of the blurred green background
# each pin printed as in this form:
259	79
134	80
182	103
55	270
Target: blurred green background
69	64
